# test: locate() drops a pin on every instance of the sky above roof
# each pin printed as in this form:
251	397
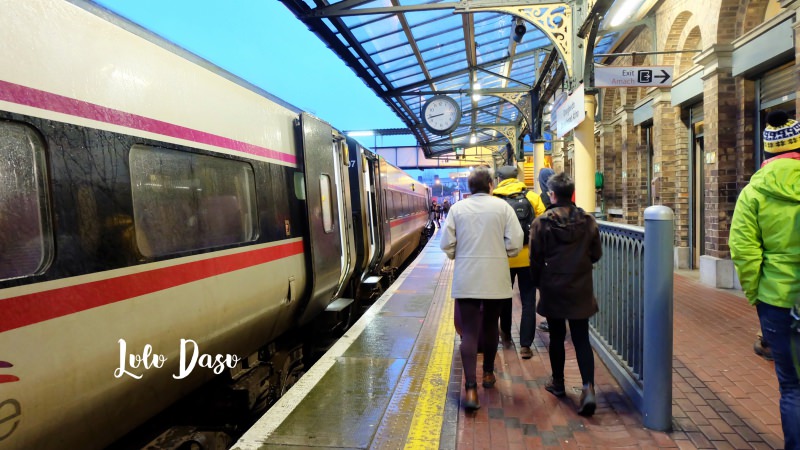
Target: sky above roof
263	43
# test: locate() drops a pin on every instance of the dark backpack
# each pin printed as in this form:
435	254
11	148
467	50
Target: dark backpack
523	209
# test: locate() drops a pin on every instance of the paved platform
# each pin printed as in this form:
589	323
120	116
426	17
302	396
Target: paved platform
394	381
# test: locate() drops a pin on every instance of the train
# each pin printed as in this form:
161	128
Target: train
164	223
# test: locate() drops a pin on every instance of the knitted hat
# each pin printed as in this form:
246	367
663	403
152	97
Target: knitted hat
506	172
781	135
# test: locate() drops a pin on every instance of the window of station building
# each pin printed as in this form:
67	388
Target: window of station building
184	201
327	202
26	238
775	92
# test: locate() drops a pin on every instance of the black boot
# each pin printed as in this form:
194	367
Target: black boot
588	401
556	387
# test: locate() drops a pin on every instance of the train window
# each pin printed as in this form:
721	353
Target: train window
389	204
184	201
300	185
26	239
327	203
398	204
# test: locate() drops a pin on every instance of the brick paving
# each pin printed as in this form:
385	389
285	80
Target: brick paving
724	396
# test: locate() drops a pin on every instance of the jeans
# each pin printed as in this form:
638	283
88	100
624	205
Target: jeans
785	345
527	295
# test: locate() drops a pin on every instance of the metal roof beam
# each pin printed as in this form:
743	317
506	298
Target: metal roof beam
339	11
487	91
417	85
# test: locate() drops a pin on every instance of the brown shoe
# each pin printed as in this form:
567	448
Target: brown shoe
526	353
588	401
471	398
489	379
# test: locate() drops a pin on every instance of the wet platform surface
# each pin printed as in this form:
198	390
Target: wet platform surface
394	381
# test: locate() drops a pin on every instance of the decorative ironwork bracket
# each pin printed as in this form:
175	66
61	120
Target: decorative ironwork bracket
554	19
510	133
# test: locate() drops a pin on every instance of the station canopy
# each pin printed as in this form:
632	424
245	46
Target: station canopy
408	51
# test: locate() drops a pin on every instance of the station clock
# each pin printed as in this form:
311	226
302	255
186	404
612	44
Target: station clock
441	115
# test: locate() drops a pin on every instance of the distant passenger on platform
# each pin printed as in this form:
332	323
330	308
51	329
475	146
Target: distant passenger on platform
435	208
544	177
565	243
765	247
519	265
445	208
480	233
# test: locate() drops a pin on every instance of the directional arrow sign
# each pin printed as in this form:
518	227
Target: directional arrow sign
635	76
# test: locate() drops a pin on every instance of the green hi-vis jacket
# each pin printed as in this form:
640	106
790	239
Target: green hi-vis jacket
765	234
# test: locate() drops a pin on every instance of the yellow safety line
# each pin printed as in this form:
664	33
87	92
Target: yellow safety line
426	425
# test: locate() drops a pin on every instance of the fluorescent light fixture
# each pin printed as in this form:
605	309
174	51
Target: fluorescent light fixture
475	87
361	133
624	12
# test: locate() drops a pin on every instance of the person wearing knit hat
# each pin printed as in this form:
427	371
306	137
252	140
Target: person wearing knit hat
765	248
511	187
544	176
781	137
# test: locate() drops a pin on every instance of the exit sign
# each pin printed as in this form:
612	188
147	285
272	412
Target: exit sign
632	76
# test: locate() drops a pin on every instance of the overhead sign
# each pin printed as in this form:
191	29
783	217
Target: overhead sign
569	113
621	76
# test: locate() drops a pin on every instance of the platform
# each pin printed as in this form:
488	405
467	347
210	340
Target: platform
394	381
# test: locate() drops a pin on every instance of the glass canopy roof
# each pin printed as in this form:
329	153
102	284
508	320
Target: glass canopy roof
407	51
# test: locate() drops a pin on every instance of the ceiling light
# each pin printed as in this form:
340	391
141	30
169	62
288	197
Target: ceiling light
473	138
475	87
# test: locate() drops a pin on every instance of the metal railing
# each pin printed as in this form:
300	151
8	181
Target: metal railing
634	292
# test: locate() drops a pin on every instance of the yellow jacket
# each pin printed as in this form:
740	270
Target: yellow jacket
511	186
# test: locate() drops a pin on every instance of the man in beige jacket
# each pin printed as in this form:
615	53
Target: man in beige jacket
480	233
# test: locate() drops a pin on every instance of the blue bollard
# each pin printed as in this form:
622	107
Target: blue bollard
658	289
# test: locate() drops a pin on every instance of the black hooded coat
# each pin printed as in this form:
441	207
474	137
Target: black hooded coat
565	243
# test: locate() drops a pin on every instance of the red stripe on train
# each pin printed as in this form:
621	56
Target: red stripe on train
41	306
23	95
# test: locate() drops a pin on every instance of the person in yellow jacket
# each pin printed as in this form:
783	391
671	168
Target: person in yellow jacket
519	265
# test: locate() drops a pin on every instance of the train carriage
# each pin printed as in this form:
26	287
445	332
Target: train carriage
161	221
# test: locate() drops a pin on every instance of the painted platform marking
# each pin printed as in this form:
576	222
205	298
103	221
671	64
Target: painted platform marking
426	425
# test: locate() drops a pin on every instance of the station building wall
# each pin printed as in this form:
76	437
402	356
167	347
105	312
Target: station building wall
694	146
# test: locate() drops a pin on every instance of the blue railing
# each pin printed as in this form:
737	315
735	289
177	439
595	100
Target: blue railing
619	288
632	332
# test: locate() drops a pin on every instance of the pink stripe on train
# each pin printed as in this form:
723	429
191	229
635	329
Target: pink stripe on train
23	95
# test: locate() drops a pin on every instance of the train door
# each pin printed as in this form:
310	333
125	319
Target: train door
330	247
372	186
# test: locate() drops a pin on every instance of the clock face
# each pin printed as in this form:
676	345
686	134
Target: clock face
441	114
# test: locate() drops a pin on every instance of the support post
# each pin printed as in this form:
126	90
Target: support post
538	164
658	289
585	158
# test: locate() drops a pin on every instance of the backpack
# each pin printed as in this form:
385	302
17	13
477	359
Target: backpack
523	209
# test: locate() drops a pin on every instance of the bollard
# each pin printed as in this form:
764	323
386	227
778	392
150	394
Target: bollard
658	268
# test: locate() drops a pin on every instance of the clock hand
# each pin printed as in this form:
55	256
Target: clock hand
437	115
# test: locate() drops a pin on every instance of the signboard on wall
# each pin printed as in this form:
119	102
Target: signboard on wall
632	76
570	113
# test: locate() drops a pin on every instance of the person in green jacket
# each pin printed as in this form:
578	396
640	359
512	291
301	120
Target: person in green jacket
765	248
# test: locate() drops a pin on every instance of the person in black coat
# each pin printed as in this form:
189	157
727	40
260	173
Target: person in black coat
565	243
